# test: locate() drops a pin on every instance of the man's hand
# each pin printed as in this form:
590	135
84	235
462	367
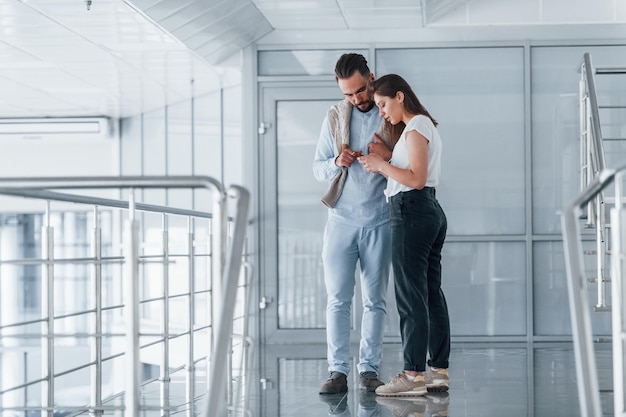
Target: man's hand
378	147
347	157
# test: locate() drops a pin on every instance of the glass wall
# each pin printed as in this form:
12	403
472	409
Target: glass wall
555	75
193	137
509	122
477	96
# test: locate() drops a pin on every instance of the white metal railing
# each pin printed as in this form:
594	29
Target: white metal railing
586	371
221	270
592	163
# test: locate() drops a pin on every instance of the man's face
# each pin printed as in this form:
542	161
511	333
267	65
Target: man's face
356	90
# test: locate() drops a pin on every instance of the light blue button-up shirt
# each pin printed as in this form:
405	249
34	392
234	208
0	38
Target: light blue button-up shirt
362	202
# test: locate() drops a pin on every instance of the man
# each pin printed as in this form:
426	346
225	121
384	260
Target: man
357	228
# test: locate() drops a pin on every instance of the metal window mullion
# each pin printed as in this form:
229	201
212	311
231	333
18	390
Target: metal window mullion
131	311
191	366
165	363
96	339
47	316
246	373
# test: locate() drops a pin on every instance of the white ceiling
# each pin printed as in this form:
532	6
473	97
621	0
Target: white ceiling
122	57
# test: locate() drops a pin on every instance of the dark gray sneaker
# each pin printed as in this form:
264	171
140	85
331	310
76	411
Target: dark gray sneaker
335	384
369	381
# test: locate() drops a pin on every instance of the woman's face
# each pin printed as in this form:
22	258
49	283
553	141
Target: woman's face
390	108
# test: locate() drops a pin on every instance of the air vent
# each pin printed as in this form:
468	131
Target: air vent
56	128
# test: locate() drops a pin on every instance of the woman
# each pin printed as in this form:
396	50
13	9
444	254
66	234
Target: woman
418	231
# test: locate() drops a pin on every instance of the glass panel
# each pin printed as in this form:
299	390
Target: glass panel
555	75
154	157
485	286
179	151
130	143
231	108
207	143
300	62
301	215
552	316
480	108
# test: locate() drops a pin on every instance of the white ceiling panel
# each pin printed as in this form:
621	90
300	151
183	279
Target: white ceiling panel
59	59
228	25
123	57
371	18
579	11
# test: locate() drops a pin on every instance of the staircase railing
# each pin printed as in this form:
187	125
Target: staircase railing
586	372
590	205
225	271
592	163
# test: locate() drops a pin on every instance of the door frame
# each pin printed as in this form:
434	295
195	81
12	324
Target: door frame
270	93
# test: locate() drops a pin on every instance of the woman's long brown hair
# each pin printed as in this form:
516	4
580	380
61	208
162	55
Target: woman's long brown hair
388	86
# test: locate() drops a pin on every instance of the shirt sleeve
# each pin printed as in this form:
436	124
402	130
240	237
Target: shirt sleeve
423	125
324	168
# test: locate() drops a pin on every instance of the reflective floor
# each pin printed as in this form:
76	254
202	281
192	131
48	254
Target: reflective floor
485	380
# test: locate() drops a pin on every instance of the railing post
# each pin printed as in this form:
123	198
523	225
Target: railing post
131	312
218	245
191	364
215	401
165	325
618	263
586	372
47	315
96	294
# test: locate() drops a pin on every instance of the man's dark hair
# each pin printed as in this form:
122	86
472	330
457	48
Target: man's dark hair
348	64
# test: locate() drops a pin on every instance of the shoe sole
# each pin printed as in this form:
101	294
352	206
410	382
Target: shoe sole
403	394
437	388
332	393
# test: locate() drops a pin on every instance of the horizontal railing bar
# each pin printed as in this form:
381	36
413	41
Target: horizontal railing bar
99	182
64	335
91	260
107	308
24	323
65	408
89	335
24	385
151	300
38	261
74	314
617	70
199	329
85	365
72	370
612	106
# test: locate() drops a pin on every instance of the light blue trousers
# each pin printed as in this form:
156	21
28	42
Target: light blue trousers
344	245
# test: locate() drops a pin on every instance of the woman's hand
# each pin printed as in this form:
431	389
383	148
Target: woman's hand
372	162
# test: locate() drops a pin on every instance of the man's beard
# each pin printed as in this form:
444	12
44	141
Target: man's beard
368	106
